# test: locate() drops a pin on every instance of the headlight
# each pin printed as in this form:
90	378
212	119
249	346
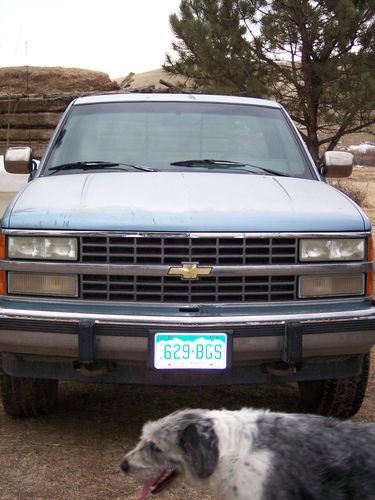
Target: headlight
42	248
320	250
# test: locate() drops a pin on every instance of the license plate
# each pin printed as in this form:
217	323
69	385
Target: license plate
191	351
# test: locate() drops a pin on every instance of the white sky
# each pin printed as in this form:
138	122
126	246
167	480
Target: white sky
114	36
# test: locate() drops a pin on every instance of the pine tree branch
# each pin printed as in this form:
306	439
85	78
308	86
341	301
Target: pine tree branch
297	119
344	131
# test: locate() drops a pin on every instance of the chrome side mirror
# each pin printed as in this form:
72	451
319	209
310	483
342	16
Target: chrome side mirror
18	160
337	164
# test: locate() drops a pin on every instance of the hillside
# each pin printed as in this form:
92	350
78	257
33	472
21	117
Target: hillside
40	80
32	100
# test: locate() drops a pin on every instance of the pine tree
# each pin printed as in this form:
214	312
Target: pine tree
317	58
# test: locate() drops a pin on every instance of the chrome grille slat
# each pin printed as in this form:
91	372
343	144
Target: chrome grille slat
171	289
173	251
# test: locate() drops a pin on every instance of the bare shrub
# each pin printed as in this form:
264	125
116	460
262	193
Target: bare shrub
356	191
364	153
366	159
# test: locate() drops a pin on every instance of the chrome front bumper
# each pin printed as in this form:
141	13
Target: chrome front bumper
125	337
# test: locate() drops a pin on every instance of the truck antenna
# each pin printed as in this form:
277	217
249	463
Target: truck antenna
28	95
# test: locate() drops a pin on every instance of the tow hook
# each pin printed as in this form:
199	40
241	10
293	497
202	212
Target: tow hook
281	369
95	369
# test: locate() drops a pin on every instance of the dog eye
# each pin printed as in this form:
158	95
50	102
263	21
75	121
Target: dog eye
154	448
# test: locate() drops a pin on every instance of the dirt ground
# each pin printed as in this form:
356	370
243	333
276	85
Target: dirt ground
75	453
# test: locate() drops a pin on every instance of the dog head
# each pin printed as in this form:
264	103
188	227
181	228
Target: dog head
184	442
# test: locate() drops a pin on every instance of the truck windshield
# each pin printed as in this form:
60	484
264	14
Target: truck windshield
166	136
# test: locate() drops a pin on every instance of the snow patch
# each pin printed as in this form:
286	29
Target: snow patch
364	147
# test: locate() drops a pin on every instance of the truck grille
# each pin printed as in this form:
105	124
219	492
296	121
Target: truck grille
172	251
169	289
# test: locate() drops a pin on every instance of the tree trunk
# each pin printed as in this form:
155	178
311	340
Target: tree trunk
311	99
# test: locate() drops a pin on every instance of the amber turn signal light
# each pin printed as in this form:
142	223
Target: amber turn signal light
2	283
369	284
370	275
2	273
2	246
370	249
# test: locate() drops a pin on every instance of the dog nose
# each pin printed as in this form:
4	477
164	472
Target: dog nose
125	466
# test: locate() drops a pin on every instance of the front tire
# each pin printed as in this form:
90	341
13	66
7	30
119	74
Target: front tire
27	397
340	398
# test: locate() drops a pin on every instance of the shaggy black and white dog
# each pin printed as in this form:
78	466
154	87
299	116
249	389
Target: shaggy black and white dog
257	455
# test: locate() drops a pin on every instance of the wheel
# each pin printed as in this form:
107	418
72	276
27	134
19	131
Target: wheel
340	398
27	397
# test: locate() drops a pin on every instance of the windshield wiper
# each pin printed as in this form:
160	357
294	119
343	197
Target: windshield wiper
191	163
270	171
218	163
87	165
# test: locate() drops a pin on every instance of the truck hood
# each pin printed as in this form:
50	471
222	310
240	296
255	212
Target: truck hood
182	201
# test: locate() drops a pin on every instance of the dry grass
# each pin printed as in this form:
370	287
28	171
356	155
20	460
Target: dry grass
356	191
49	80
364	158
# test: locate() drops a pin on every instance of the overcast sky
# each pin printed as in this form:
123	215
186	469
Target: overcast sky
114	36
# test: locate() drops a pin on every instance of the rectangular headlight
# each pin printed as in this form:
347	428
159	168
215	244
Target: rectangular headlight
56	285
325	250
42	248
331	286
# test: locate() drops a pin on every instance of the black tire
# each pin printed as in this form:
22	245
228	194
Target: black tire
340	398
27	397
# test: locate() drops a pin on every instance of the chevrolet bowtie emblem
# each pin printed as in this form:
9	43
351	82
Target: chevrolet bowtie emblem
189	271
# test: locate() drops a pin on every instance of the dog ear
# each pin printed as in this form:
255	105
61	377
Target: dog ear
200	443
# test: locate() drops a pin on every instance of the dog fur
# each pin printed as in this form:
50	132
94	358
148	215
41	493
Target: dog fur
260	455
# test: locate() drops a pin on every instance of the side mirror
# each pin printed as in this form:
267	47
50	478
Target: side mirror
19	160
337	164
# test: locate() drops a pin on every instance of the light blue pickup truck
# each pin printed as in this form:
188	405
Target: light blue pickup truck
183	240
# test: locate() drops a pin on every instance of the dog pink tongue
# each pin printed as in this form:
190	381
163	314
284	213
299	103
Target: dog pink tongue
156	484
147	487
